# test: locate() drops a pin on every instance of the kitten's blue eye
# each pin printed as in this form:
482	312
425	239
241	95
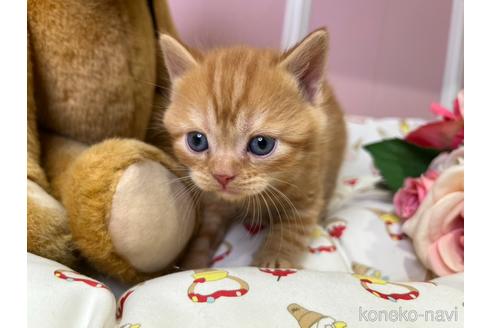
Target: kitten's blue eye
197	141
261	145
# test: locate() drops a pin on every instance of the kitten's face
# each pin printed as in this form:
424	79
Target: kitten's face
239	123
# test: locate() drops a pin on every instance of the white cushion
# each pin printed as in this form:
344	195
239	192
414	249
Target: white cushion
361	235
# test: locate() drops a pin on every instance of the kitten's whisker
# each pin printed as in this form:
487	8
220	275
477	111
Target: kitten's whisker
177	199
270	226
245	217
270	219
297	219
267	193
184	192
195	193
267	208
185	182
245	214
152	84
281	203
196	204
289	202
196	198
288	183
184	178
257	216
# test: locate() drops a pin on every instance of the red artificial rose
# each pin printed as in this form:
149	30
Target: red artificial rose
446	134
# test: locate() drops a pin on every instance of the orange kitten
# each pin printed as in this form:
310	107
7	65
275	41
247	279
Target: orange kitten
261	130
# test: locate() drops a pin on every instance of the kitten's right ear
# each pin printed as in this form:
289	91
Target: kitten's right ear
177	58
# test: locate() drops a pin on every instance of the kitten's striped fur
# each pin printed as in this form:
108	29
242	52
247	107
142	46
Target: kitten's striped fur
233	94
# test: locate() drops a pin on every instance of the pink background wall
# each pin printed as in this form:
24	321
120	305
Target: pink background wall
208	23
386	59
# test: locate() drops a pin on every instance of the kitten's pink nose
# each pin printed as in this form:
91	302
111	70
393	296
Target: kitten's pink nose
224	179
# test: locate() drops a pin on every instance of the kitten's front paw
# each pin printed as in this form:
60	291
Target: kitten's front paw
271	261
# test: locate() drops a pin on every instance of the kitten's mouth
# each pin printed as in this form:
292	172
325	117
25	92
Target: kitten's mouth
235	195
229	194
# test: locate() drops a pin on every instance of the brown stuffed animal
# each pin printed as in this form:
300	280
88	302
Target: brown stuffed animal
95	187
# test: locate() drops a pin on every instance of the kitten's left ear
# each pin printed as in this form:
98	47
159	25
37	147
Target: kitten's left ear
177	58
306	61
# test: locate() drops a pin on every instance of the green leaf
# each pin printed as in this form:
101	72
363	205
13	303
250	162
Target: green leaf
397	159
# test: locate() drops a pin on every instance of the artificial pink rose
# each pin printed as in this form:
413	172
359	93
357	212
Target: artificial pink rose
448	159
437	227
408	198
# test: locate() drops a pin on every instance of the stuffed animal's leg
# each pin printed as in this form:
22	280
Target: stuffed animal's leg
130	216
48	233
